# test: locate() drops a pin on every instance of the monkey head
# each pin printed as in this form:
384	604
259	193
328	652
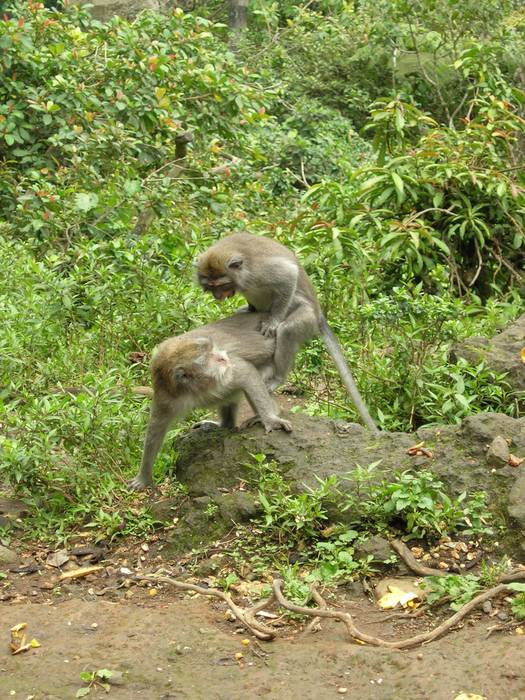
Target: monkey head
220	273
190	365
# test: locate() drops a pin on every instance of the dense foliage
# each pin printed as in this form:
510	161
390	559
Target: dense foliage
383	142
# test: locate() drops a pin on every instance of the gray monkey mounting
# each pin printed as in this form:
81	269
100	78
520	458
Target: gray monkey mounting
271	279
209	366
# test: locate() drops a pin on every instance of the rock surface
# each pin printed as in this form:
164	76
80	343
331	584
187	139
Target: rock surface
105	9
7	557
216	466
500	353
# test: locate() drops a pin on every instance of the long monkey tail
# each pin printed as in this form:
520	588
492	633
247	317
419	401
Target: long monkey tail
335	350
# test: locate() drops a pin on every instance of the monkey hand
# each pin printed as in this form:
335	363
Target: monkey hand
139	483
269	328
269	424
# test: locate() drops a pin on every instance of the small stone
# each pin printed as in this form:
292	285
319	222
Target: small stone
487	607
503	616
498	453
182	650
342	691
116	678
443	565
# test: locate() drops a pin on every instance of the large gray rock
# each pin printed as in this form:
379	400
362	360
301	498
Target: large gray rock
214	465
500	353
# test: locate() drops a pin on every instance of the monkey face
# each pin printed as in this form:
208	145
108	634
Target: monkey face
220	277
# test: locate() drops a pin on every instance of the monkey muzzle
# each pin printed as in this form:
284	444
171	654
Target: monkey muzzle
222	291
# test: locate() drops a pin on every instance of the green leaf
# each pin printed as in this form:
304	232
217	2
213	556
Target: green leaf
520	587
131	187
82	692
400	187
85	201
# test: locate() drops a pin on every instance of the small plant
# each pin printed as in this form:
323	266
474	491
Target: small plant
458	589
226	582
211	510
296	517
491	573
518	602
336	558
296	587
94	679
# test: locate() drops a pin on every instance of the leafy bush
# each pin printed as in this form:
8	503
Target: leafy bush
416	504
451	200
89	113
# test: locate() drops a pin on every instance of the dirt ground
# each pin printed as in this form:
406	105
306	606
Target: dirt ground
174	645
179	645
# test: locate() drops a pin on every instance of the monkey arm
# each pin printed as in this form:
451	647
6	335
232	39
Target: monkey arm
284	275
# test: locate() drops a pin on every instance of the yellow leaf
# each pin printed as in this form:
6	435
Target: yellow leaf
522	355
396	597
468	696
159	93
152	592
34	643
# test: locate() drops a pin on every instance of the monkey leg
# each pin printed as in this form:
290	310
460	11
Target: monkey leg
228	419
301	325
161	417
259	398
229	415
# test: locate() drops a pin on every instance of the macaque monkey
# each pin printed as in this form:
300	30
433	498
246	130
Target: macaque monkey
209	366
271	279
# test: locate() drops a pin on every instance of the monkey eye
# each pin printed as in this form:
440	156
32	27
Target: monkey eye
235	263
179	372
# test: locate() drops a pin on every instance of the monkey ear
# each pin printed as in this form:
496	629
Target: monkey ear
235	263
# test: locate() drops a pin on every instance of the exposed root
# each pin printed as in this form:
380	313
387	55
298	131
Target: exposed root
314	625
244	616
362	637
412	563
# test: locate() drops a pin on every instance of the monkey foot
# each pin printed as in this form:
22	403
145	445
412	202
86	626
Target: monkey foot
139	484
269	424
205	425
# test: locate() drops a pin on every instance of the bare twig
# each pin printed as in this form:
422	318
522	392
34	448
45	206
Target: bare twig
480	264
